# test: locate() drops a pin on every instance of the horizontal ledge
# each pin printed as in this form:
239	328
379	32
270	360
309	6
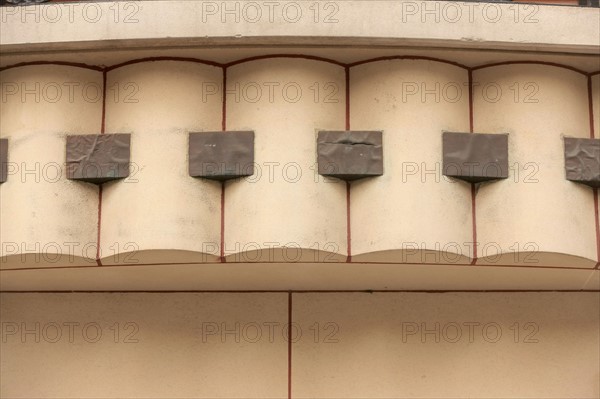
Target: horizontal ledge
294	255
152	24
298	276
292	41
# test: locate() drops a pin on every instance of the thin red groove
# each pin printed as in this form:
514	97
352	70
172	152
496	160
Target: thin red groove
102	131
590	105
406	57
289	345
63	63
98	261
348	185
222	255
473	187
595	194
348	225
268	56
301	56
595	190
224	128
153	59
470	83
554	64
474	217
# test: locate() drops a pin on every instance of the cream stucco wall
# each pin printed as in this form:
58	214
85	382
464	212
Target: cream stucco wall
286	212
351	345
41	211
536	212
412	213
286	203
159	103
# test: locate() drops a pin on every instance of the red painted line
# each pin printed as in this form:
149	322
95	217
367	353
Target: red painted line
554	64
597	217
98	261
223	222
348	185
103	123
348	223
224	97
347	79
224	128
63	63
590	105
102	131
153	59
406	57
470	77
302	56
473	187
289	345
474	217
595	190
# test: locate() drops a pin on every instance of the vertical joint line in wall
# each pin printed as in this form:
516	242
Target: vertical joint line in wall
347	79
595	190
473	187
289	340
224	98
98	261
348	185
470	83
348	228
102	131
222	252
590	105
224	128
474	217
597	222
103	124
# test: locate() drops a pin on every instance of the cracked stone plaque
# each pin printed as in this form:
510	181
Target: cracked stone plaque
221	155
3	160
475	157
98	158
582	161
350	155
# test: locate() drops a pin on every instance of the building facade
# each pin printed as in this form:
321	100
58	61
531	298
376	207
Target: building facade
348	244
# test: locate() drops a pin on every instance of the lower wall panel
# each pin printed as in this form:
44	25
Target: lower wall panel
344	345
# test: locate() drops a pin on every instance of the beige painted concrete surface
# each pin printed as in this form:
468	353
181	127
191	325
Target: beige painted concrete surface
109	25
41	211
286	212
159	103
144	346
286	203
299	276
536	209
351	345
452	345
412	213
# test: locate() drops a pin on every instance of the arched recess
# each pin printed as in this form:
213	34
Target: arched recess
411	214
286	211
47	220
535	217
160	213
